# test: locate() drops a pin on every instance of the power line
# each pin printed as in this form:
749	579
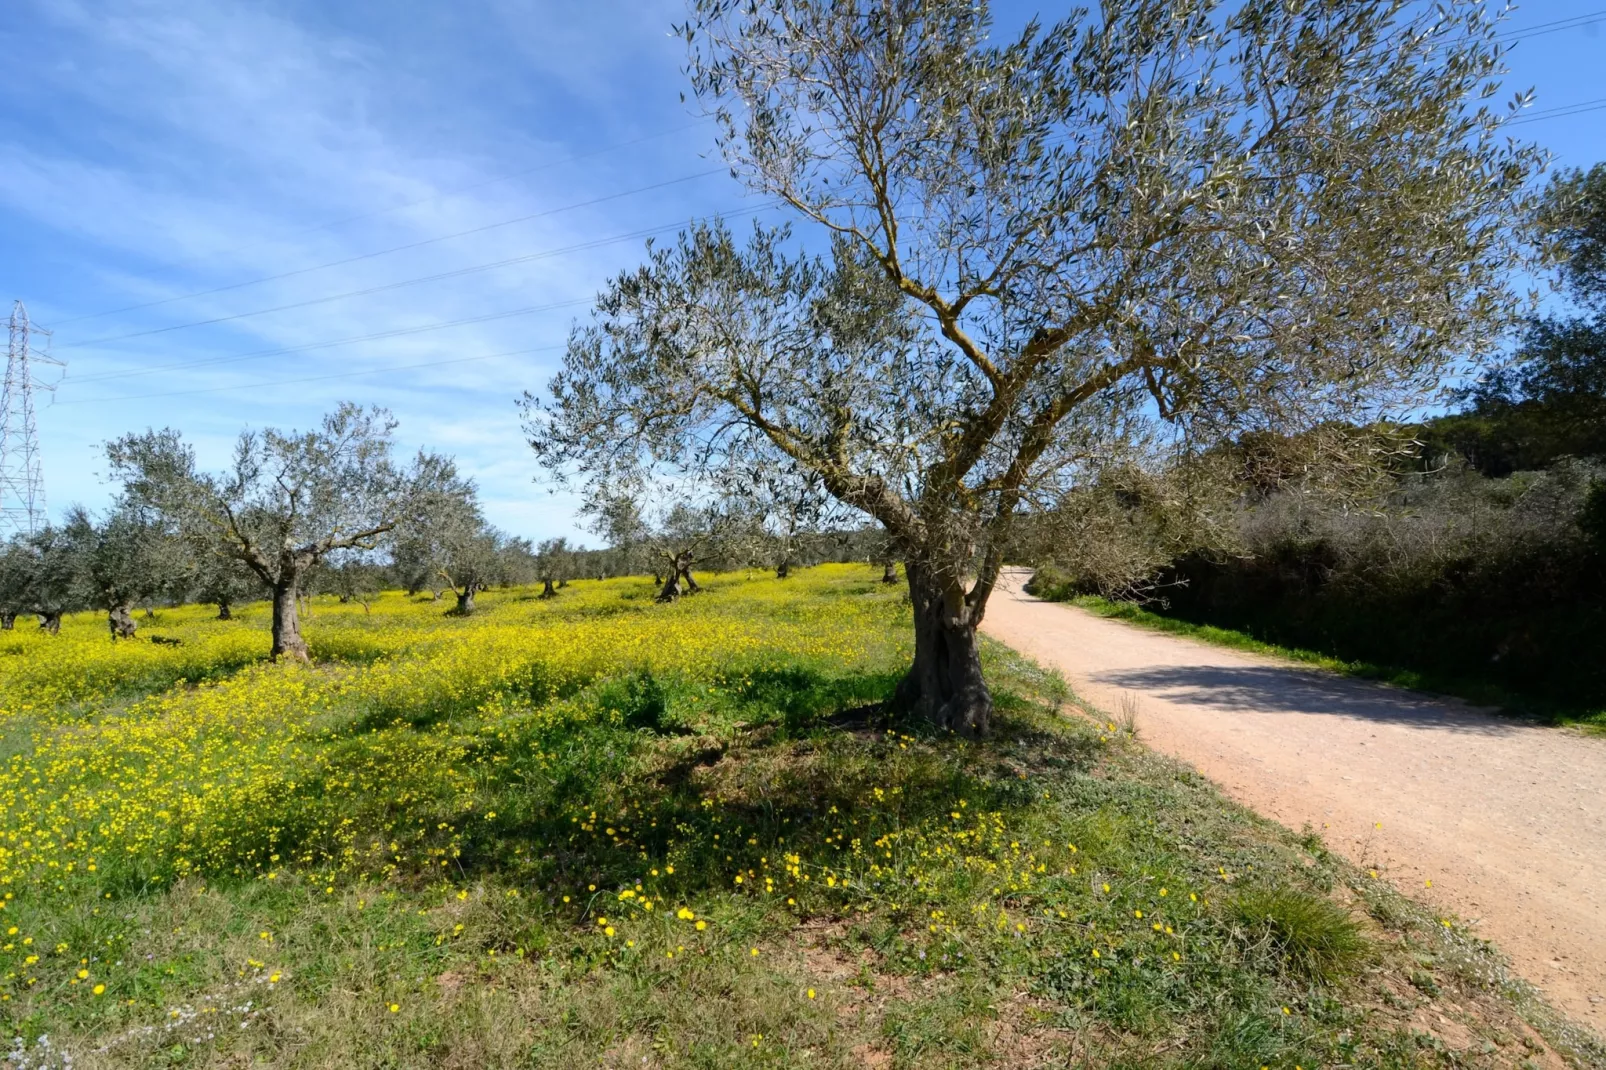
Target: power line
456	273
1561	107
315	378
394	208
258	354
1553	22
398	248
1577	22
1560	112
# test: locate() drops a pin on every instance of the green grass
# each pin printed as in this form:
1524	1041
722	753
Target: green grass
1478	692
828	889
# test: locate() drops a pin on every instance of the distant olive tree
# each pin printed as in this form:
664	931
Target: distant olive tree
14	573
287	501
662	529
1222	216
121	560
554	565
41	576
689	532
785	512
472	560
351	576
617	517
218	578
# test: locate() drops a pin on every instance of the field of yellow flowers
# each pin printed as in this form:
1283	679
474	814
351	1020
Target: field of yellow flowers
593	830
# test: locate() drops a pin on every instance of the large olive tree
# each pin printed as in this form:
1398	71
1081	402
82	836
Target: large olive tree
288	500
1220	216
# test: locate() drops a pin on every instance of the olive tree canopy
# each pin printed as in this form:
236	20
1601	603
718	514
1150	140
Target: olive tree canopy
39	574
1257	215
122	559
288	500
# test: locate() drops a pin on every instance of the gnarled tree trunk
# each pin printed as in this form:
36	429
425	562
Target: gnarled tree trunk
224	611
121	621
8	621
465	601
889	573
287	641
691	581
50	622
945	684
783	570
547	590
670	592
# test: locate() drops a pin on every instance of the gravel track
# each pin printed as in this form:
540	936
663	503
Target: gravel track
1499	821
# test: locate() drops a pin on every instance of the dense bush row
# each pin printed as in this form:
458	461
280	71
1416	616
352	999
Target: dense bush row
1474	578
1454	574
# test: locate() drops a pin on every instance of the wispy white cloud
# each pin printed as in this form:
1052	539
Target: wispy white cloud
195	144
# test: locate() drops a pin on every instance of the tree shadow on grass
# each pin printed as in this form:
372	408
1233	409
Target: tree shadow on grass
823	775
803	699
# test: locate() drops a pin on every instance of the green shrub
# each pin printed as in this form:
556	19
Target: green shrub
1312	934
1051	583
638	699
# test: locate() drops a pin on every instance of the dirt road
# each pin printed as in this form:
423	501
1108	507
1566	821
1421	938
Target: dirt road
1501	822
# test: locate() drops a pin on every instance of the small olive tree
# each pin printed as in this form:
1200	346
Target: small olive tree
1221	216
287	501
472	560
218	578
14	569
554	564
659	528
40	575
121	560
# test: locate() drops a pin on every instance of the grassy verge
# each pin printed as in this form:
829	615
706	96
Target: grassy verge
683	836
1479	692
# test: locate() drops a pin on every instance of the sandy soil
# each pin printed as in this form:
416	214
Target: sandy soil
1501	822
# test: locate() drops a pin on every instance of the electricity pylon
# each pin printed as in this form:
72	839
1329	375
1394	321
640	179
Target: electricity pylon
22	485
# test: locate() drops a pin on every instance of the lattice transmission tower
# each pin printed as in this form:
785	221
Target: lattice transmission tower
22	485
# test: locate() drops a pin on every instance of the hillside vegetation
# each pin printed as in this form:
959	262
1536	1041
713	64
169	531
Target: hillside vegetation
1493	588
591	830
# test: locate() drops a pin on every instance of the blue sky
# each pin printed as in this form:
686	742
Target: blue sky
151	149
